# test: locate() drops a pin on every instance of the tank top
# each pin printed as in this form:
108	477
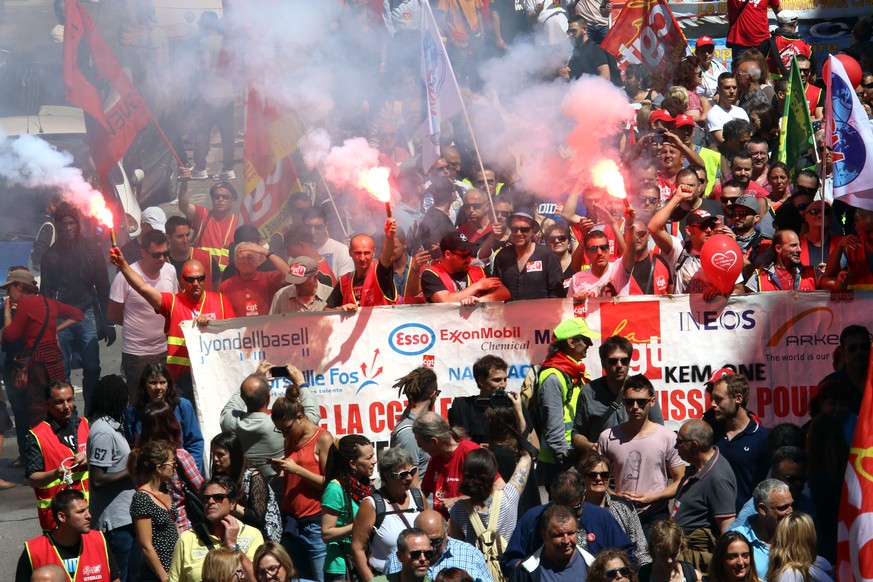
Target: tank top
302	498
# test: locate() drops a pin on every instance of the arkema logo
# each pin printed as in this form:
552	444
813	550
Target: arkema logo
411	339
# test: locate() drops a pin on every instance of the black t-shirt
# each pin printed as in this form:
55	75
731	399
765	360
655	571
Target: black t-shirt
587	57
385	276
431	283
69	557
432	227
471	416
513	19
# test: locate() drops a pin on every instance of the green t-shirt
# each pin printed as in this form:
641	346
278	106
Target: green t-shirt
333	498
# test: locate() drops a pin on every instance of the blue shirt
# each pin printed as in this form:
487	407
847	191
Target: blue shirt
760	550
458	554
748	455
596	520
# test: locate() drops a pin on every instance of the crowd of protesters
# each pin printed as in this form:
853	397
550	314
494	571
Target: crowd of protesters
121	490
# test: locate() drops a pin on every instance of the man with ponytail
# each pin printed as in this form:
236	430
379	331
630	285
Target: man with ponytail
420	389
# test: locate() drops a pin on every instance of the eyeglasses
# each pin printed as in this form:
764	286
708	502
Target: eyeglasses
593	249
561	238
222	197
217	497
193	280
285	430
173	464
159	256
405	474
805	190
474	205
617	573
416	554
813	210
521	229
465	255
641	402
614	361
271	571
602	475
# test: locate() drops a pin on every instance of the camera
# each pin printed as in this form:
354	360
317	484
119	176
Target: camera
499	399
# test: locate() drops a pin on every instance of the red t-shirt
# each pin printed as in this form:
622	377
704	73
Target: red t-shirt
250	297
30	315
751	27
443	476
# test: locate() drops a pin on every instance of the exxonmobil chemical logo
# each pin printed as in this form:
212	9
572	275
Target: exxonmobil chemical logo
411	339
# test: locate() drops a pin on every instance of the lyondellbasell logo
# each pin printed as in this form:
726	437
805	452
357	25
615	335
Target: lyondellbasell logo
428	361
639	322
411	339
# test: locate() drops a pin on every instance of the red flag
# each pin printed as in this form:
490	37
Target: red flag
855	530
121	112
646	32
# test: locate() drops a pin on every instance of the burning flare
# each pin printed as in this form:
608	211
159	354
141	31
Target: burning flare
605	174
375	181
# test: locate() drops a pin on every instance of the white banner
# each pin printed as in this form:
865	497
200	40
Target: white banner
782	342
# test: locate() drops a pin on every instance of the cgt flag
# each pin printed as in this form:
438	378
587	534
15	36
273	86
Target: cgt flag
443	95
646	32
848	133
95	82
855	529
797	137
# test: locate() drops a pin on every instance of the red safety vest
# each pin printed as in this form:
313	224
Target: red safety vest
371	294
660	278
474	274
93	564
805	282
861	278
813	94
179	310
53	454
220	249
804	249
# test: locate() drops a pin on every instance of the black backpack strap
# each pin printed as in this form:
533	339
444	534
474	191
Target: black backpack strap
379	503
203	536
418	499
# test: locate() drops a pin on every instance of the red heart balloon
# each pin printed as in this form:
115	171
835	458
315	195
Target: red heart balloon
722	261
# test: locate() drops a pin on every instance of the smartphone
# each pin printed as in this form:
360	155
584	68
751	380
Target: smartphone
436	254
659	136
279	372
719	221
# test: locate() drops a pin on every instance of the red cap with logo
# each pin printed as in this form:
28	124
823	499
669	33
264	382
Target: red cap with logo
719	374
705	41
660	115
683	120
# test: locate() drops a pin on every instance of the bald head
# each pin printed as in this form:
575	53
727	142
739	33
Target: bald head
49	573
255	392
193	279
432	522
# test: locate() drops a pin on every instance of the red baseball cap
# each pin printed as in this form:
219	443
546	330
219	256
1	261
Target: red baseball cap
719	374
705	41
660	115
683	120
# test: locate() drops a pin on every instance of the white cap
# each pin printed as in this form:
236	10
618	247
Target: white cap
786	16
154	217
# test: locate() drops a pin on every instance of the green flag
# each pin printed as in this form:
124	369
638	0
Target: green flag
796	138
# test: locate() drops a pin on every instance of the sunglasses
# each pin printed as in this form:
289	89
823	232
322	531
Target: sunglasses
561	238
173	464
614	361
617	573
270	571
805	190
416	554
593	249
602	475
813	210
222	197
404	474
193	280
218	497
521	229
474	205
159	256
466	255
804	71
727	201
436	543
641	402
648	199
504	213
703	227
794	479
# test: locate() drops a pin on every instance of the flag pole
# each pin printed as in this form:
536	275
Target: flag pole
479	159
324	182
824	155
167	141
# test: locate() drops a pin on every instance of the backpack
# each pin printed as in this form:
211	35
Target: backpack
382	508
488	541
530	390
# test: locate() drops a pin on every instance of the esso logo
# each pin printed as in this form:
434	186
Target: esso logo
411	339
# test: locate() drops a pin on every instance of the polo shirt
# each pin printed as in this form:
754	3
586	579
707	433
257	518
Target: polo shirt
190	552
760	550
705	495
748	455
541	277
594	407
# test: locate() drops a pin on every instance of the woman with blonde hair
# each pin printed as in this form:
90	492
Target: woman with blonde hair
224	565
792	552
272	563
666	544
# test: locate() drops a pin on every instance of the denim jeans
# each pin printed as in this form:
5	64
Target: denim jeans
597	32
81	339
125	548
307	549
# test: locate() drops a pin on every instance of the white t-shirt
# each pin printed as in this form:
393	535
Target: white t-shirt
709	83
337	256
143	328
687	270
718	117
587	282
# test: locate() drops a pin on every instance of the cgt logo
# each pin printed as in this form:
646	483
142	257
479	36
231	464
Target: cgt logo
411	339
